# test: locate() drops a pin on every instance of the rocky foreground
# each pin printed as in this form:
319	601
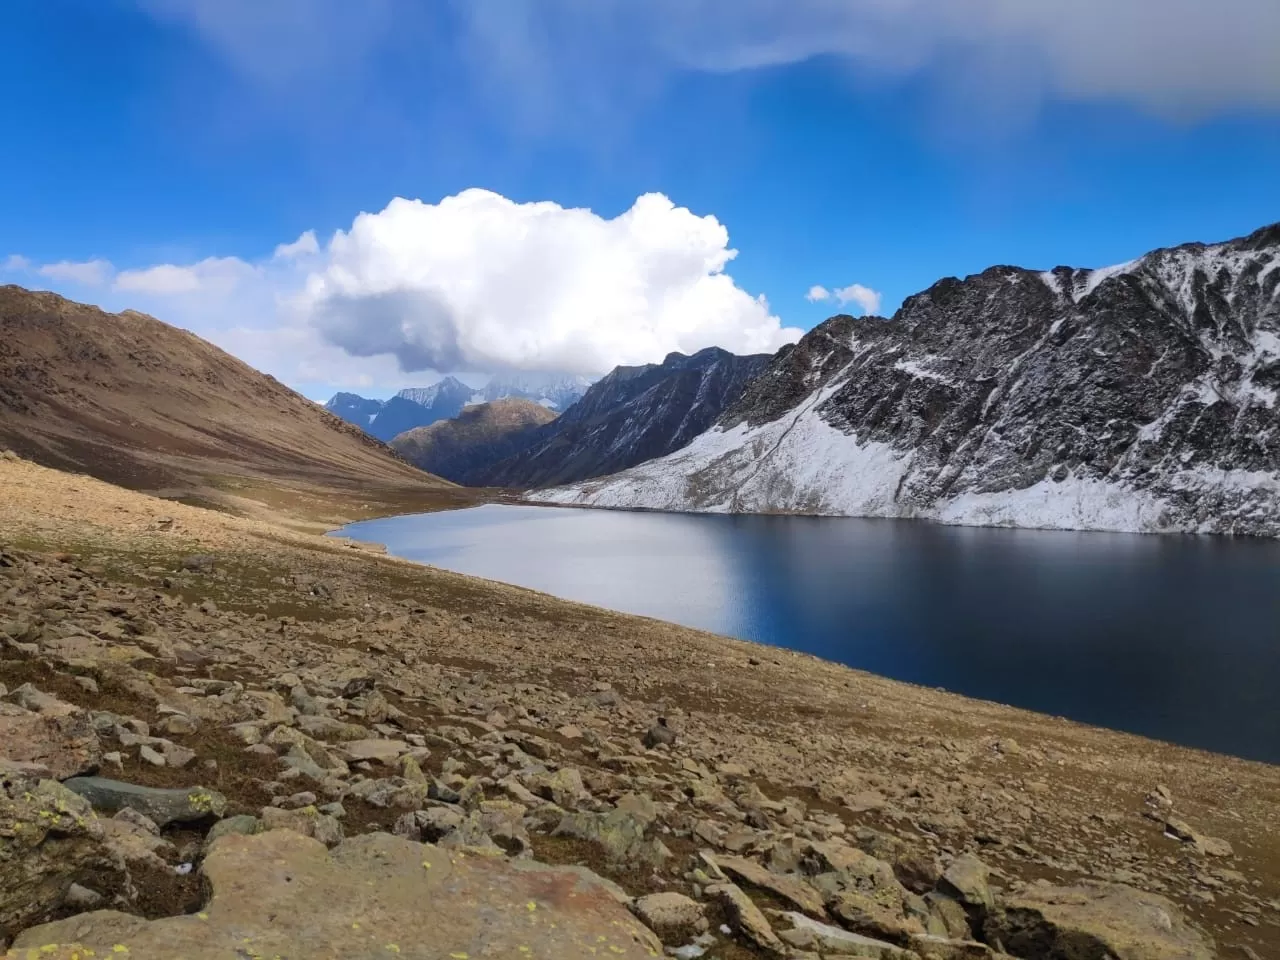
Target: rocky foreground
219	738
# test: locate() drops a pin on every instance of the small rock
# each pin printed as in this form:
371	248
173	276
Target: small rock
81	899
746	917
382	751
198	563
660	734
966	880
242	825
149	755
177	724
672	916
176	755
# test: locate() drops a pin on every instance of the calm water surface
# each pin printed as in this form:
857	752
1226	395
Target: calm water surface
1172	637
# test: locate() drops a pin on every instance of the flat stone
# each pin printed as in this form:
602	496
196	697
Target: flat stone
282	894
672	916
809	934
791	889
381	751
1094	919
162	806
64	743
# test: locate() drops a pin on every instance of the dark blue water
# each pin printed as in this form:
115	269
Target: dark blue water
1172	637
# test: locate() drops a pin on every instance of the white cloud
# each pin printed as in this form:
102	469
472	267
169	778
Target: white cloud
817	293
16	263
214	275
473	283
864	297
305	246
89	273
479	282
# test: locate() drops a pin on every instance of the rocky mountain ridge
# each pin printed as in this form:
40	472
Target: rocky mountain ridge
463	448
1139	397
631	415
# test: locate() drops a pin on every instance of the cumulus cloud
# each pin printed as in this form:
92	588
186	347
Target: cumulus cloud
817	293
856	293
305	246
16	263
89	273
479	282
475	283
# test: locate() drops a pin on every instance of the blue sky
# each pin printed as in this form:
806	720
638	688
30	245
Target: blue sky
162	151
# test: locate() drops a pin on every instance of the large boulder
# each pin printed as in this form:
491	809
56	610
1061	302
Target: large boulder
1094	921
64	742
282	894
49	840
622	837
161	806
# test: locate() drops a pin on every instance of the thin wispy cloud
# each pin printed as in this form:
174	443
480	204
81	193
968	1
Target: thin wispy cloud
1173	57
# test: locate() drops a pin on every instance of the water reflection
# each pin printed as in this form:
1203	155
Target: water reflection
1173	637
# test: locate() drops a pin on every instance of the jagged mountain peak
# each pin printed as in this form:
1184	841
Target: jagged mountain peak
1141	396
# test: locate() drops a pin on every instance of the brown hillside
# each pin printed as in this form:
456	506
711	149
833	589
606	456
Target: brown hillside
479	437
134	401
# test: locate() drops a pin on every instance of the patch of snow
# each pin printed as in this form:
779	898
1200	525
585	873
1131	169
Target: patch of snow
1074	504
917	370
1096	278
1050	280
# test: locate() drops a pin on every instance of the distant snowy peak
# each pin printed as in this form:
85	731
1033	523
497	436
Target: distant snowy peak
1139	397
553	390
421	406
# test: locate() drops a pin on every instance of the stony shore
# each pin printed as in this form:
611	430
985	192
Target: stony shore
223	737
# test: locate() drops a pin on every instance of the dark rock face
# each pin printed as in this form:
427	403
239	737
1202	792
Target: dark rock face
632	415
1142	396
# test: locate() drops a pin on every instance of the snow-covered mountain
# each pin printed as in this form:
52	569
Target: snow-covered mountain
422	406
1141	397
631	415
555	391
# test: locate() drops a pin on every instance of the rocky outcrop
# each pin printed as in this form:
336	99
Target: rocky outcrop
632	415
463	448
50	839
283	894
62	743
1139	397
1094	920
